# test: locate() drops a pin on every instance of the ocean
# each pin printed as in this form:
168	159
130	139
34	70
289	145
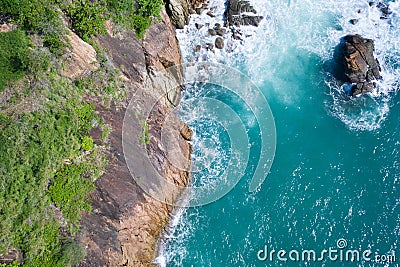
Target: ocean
334	184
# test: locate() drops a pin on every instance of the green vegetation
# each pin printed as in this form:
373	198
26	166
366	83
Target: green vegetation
14	56
145	139
37	16
49	161
42	165
87	18
13	264
87	143
70	191
17	57
137	16
32	15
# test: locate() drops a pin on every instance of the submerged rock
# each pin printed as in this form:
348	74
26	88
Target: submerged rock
197	48
209	13
384	8
200	10
238	13
210	46
361	68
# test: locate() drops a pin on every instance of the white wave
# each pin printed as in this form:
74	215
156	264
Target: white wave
290	31
300	28
183	223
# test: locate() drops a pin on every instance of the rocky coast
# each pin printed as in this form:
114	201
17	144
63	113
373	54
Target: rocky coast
126	223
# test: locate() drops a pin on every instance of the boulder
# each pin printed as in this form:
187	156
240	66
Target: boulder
236	34
220	31
361	68
238	13
7	27
212	32
383	7
80	58
178	11
5	23
219	43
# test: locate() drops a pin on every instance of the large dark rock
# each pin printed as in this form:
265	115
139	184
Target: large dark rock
360	66
234	14
219	43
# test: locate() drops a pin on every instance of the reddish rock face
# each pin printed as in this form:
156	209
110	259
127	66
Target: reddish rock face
360	66
125	224
81	58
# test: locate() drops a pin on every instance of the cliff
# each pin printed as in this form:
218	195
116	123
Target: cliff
125	224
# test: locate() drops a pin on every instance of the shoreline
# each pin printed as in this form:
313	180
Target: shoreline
126	224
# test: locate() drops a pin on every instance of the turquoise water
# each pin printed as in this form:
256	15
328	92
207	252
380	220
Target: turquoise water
336	170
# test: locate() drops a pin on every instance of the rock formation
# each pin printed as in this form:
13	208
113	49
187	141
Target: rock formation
80	58
238	13
178	10
361	68
383	7
125	224
219	43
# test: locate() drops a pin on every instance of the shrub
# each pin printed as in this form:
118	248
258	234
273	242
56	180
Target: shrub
54	43
70	189
14	56
136	16
33	176
87	18
39	16
32	15
144	138
150	7
87	143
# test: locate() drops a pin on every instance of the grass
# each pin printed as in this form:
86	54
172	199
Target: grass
48	167
42	165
